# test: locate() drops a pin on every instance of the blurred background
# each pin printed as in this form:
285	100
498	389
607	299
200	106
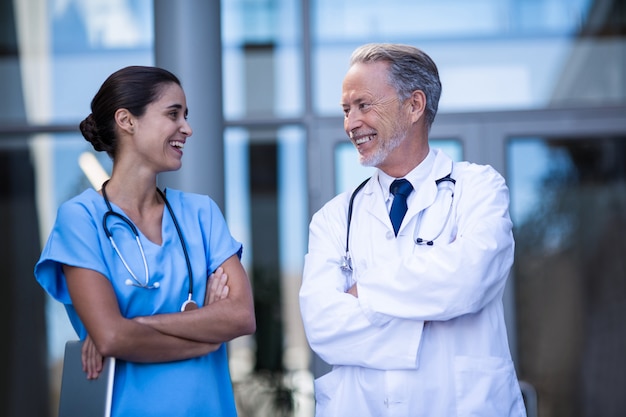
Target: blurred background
535	88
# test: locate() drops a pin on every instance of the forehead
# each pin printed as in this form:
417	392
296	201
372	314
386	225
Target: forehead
169	94
366	79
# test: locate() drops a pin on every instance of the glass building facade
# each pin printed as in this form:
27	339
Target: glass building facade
535	88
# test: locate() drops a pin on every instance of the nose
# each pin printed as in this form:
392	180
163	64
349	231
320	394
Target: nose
186	129
351	121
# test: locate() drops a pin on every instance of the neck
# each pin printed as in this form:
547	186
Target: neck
131	195
405	162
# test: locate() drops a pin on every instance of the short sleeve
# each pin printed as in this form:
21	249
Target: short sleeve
73	241
221	244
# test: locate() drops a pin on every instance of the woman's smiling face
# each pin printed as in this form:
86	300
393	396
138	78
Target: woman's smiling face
164	122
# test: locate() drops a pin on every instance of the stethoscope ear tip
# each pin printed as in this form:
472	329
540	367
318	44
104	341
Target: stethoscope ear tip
420	241
128	282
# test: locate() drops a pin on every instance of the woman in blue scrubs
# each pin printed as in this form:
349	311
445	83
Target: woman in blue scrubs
150	277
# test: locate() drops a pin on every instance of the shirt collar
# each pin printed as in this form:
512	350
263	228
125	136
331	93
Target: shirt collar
415	176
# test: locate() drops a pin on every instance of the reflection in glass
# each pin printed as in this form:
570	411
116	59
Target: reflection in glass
266	209
492	55
23	301
569	200
262	59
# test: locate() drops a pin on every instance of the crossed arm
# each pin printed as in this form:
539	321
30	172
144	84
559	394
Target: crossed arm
227	313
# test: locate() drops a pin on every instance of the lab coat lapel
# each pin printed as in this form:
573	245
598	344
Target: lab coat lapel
374	201
426	192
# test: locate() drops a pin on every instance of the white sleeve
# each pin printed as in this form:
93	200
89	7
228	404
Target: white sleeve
335	324
442	282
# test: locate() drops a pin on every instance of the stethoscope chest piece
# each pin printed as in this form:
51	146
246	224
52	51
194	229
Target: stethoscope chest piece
346	263
189	304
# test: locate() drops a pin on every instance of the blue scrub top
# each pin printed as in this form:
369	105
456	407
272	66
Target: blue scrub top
195	387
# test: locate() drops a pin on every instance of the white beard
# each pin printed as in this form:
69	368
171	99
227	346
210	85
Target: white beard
383	149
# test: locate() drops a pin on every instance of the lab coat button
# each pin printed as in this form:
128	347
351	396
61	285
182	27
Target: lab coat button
389	236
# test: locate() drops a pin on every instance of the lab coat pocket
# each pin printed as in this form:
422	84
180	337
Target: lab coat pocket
349	391
487	387
325	390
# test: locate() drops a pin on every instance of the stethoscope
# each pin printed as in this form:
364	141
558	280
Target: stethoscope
188	304
346	261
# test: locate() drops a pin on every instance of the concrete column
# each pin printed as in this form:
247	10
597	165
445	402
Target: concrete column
188	43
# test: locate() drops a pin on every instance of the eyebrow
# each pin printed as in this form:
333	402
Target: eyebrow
355	101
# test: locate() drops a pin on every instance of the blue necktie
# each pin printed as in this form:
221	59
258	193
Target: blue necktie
400	190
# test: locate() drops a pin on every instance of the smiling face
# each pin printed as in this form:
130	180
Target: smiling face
161	132
381	127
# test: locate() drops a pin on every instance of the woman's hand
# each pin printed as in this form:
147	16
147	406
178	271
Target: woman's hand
217	288
91	358
227	313
137	339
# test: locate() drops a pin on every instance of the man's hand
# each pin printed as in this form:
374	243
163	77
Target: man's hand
353	291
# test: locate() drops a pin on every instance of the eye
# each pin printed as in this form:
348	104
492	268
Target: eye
364	106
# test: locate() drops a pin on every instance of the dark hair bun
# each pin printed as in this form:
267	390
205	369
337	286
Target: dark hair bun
89	129
132	88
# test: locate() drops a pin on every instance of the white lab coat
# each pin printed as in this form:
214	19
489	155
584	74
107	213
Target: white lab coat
426	336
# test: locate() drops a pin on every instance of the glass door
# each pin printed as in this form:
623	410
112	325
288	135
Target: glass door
569	201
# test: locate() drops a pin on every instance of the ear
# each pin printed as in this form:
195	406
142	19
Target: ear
417	103
125	121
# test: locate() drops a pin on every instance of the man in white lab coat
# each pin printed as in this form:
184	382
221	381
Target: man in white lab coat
411	320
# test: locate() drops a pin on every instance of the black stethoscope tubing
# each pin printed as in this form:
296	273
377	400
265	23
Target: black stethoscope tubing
346	264
189	302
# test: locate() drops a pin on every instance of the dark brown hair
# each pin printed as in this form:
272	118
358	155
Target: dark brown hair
132	88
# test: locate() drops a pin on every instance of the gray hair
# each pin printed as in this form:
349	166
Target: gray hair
410	69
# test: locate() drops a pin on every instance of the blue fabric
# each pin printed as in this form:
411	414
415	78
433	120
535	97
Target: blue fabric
196	387
400	189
